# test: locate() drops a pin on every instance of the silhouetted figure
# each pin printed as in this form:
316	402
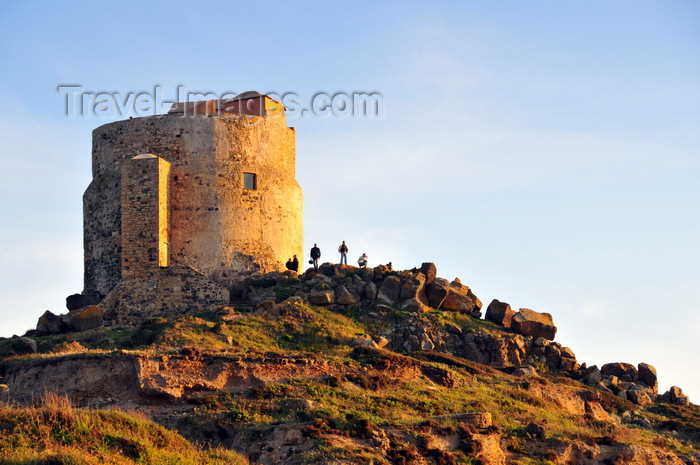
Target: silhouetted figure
295	264
315	255
343	249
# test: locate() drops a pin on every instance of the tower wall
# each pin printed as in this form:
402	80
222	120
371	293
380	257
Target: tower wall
145	213
216	225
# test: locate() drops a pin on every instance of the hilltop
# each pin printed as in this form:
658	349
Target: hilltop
349	365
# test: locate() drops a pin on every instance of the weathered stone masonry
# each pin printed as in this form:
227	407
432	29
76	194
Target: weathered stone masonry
170	191
145	214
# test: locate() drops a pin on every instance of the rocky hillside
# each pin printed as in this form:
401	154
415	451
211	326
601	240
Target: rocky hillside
349	365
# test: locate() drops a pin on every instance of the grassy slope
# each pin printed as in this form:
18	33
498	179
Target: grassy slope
370	390
55	433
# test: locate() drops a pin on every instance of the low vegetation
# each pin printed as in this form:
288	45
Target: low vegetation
55	433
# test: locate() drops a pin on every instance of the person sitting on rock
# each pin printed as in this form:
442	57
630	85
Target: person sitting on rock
289	264
362	261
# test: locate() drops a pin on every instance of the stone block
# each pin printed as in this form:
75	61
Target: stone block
49	324
321	296
390	290
85	318
500	313
531	323
437	291
647	375
429	270
343	296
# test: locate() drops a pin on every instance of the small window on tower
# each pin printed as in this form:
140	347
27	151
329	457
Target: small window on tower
250	181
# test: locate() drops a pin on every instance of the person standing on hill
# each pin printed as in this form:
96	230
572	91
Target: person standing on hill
343	249
295	264
315	255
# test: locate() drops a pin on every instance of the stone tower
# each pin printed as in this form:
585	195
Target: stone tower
207	191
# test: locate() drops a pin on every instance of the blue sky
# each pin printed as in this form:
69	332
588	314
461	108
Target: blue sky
544	152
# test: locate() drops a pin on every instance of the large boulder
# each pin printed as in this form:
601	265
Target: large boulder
21	346
429	270
321	296
343	296
85	318
366	274
457	302
500	313
641	396
335	270
414	288
647	375
531	323
49	324
414	305
370	291
390	290
675	396
76	301
437	291
623	371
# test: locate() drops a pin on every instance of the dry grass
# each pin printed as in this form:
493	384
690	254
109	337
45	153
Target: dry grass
56	433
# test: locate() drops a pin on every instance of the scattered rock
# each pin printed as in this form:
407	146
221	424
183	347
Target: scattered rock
190	352
226	313
480	420
527	370
535	430
363	341
426	343
453	328
595	411
382	308
381	341
440	376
